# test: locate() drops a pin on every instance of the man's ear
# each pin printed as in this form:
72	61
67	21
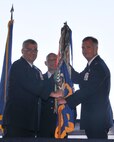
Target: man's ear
45	63
22	51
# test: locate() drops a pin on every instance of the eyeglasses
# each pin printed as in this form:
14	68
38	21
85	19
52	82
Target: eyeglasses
31	50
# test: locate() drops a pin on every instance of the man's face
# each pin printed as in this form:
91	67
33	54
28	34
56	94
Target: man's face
30	52
89	49
51	62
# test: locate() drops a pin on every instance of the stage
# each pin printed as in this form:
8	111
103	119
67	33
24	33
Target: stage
52	140
80	134
76	136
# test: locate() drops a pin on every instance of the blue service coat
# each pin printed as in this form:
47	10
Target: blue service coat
25	88
48	115
93	95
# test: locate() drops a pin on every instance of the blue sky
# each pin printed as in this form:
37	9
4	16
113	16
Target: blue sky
42	20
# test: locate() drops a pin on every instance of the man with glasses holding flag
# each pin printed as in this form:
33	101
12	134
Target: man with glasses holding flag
26	88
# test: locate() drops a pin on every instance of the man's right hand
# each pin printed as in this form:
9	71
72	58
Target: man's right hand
57	94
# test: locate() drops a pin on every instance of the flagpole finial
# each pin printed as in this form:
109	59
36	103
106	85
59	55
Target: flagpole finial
65	23
12	10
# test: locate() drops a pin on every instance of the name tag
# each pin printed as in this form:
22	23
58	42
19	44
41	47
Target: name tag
86	76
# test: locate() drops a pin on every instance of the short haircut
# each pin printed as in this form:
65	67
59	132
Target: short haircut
94	40
50	55
29	41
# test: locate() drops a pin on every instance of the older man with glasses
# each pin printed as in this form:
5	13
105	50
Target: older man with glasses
26	86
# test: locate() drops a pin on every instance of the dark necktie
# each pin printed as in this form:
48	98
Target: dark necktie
88	68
